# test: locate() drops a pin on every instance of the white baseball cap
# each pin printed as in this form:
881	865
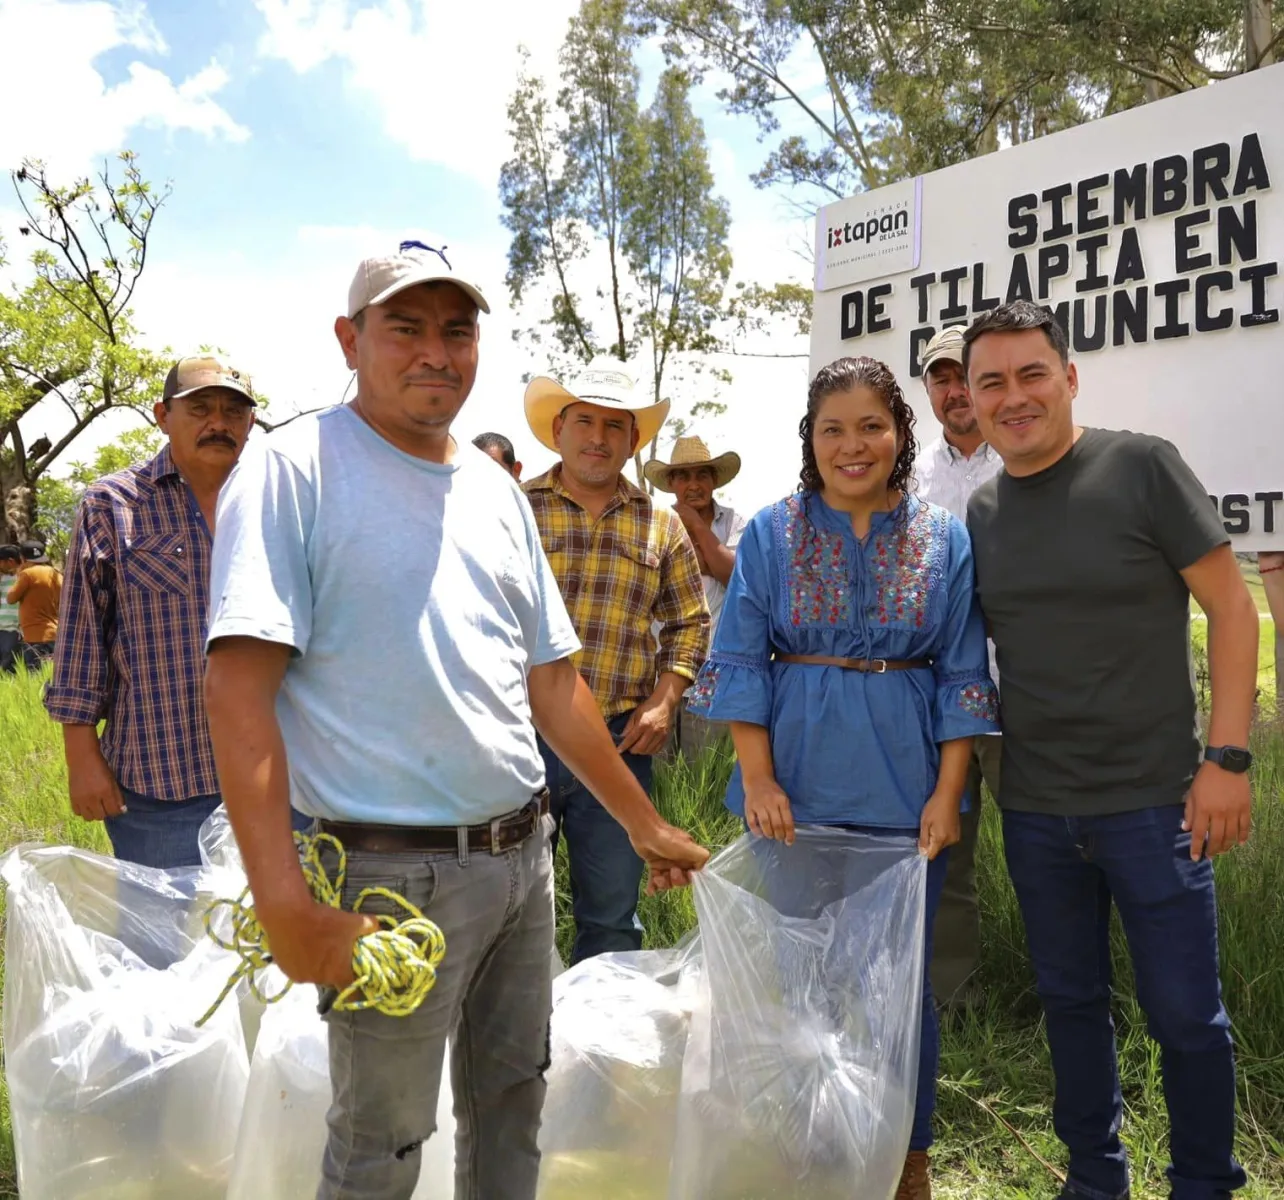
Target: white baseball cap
379	279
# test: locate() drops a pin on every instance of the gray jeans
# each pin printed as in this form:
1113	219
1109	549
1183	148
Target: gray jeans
493	999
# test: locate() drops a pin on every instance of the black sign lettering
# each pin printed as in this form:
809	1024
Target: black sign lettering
1093	277
1252	175
1211	166
1090	219
1130	267
1237	233
1187	241
879	321
980	301
1169	186
1019	280
1056	198
1206	321
1023	220
1082	340
1171	292
1130	193
1257	276
918	339
853	318
1130	316
921	283
1235	514
1054	262
1268	501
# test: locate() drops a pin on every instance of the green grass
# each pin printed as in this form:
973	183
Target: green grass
994	1118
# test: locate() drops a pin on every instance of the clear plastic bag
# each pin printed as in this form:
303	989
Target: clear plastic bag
283	1128
619	1031
773	1056
799	1075
114	1092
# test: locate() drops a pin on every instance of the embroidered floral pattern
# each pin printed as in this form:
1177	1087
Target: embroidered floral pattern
700	696
901	560
820	586
980	700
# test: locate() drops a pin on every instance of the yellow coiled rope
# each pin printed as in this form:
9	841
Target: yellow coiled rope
395	967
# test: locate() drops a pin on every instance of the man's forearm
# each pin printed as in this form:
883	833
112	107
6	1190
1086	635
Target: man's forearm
80	742
719	560
669	688
568	719
253	773
1232	669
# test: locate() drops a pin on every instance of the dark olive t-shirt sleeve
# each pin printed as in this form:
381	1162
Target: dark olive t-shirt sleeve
1185	523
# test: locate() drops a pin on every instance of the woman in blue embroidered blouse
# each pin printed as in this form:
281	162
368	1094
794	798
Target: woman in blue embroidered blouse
853	567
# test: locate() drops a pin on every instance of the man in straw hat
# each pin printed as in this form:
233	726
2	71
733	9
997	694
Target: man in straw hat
693	475
623	564
948	471
408	733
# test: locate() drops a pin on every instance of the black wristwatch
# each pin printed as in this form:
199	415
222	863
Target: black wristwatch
1234	759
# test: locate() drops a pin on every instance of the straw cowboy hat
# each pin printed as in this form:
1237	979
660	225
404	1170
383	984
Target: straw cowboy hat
692	452
604	382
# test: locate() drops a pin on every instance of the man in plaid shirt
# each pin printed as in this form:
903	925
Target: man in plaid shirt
131	628
622	564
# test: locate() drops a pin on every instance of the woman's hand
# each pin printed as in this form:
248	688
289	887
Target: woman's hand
767	811
939	826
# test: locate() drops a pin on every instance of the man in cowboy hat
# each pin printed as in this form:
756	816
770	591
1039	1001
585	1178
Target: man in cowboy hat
693	475
622	564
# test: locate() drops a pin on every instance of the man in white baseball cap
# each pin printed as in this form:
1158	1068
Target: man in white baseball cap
624	565
407	730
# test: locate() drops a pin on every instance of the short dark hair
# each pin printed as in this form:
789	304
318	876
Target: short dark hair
497	441
9	551
1016	317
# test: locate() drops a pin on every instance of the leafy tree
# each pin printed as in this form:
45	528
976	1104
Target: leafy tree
618	240
914	85
68	336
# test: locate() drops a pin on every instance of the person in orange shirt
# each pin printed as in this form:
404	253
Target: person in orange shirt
36	592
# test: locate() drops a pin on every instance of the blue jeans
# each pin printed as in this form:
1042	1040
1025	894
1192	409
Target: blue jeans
1067	871
166	833
606	871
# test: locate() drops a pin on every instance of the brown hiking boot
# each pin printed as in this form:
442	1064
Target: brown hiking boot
916	1183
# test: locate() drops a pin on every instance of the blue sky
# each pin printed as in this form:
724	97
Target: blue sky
300	135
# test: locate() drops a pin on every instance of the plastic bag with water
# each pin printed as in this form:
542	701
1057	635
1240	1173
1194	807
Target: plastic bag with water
775	1056
114	1092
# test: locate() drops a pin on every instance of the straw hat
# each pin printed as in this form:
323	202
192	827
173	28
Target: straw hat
606	383
692	452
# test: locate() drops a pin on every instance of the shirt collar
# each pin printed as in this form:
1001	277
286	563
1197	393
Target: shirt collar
551	481
160	467
953	455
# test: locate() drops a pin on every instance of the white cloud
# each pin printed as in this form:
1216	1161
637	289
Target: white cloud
438	75
57	104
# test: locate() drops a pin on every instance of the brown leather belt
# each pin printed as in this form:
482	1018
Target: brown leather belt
870	666
503	833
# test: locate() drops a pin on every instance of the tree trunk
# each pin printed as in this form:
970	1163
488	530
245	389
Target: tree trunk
1257	34
19	504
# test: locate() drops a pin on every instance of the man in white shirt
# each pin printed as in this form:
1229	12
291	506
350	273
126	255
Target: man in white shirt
948	471
693	475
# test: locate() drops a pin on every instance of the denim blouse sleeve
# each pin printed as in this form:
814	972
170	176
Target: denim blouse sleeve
967	702
735	682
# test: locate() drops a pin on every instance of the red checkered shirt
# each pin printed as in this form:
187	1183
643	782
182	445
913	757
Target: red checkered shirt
131	630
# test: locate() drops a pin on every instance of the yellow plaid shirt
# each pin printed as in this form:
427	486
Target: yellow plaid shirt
632	567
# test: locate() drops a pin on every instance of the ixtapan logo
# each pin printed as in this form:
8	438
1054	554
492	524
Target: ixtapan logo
882	226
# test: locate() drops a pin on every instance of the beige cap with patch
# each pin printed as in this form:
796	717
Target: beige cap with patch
199	371
379	279
947	345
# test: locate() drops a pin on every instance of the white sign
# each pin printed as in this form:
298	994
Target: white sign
1156	236
867	236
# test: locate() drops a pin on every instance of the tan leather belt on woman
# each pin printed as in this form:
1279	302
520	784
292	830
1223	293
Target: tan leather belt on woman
870	666
503	833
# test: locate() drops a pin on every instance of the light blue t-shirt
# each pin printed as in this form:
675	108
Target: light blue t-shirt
416	596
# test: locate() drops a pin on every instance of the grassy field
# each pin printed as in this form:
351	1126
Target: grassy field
994	1120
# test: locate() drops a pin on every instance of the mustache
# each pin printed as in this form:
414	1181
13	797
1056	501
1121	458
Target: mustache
218	439
448	377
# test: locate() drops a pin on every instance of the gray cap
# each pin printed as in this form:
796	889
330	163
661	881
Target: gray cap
948	345
379	279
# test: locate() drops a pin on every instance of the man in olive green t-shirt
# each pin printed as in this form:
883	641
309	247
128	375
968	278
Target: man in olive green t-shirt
1088	549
